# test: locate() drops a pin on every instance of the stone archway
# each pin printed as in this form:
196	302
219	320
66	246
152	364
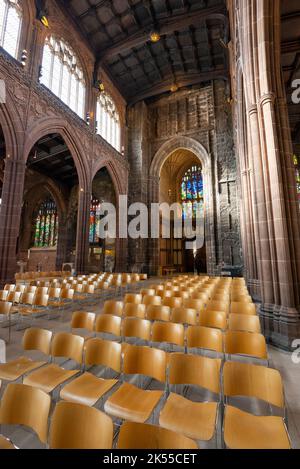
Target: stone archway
192	145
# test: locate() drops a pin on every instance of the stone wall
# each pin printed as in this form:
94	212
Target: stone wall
199	117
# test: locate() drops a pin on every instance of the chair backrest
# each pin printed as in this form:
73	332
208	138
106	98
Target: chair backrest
67	294
68	346
134	298
42	291
184	316
203	296
76	426
54	292
3	295
246	343
41	300
37	339
205	338
10	287
83	320
218	306
103	352
151	300
135	310
148	292
28	406
134	327
20	288
243	308
244	379
31	289
113	307
5	307
143	436
14	297
158	313
168	332
198	305
242	299
215	319
27	298
108	324
145	361
243	322
196	370
173	302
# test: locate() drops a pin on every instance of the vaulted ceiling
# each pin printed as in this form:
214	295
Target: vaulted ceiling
290	50
192	48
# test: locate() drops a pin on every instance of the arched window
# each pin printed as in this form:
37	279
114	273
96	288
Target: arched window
10	26
192	192
94	220
62	74
108	121
46	225
297	168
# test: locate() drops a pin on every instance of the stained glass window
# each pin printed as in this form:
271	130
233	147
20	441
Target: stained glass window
46	225
63	75
94	220
192	192
108	121
10	26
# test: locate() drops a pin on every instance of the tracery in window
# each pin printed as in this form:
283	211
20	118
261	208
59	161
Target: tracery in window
94	221
10	26
108	121
62	73
192	192
46	225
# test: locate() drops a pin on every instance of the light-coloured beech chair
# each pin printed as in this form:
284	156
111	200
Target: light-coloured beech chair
143	436
135	310
214	319
243	308
243	430
87	389
246	323
76	426
167	333
246	343
108	324
63	345
130	402
158	313
184	316
113	307
196	420
27	406
205	338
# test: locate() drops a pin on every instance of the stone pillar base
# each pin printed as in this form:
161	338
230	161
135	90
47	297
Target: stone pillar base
254	287
280	325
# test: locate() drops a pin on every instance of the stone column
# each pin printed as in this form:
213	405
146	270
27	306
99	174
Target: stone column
10	216
274	187
83	225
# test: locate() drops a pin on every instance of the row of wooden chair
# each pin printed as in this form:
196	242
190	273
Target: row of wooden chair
177	412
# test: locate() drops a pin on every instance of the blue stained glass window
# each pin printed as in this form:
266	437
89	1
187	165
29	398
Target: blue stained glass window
192	192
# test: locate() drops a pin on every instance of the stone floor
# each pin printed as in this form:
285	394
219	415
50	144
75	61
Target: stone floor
278	359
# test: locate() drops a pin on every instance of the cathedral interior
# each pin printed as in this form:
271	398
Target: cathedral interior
124	107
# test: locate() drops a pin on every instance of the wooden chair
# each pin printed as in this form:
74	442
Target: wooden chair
24	405
243	430
142	436
76	426
196	420
205	338
87	389
130	402
63	345
108	324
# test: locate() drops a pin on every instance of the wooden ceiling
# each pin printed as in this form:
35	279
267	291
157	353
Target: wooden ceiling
290	49
192	48
51	157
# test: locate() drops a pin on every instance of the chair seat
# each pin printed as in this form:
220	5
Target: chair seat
87	389
132	403
49	377
5	443
16	368
246	431
195	420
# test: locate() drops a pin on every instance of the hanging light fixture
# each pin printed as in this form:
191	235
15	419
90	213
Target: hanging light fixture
154	36
174	88
41	12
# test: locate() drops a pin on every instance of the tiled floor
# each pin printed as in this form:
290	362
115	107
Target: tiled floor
278	359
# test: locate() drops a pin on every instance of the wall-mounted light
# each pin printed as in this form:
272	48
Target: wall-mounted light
174	88
41	12
24	57
88	118
154	36
99	85
44	21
